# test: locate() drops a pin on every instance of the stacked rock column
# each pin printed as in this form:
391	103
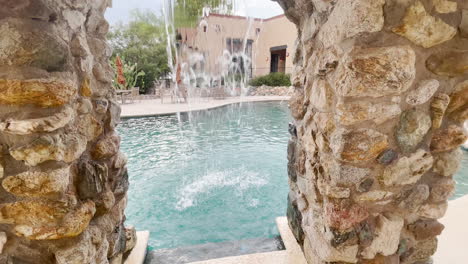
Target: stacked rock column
63	180
381	89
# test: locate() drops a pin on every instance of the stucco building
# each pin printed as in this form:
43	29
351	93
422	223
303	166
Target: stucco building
259	46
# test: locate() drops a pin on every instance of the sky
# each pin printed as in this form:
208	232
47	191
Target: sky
120	10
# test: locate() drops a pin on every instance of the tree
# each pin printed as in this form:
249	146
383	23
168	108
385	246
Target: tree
188	12
142	42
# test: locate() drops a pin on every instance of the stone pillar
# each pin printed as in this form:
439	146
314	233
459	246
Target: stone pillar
381	93
63	180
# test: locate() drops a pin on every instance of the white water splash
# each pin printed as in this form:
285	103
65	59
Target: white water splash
239	179
254	203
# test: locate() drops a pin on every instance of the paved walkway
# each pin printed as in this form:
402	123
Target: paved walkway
155	107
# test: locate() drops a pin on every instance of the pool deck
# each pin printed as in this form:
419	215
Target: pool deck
155	107
451	248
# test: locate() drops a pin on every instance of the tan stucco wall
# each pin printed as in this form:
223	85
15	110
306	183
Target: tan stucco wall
212	43
277	31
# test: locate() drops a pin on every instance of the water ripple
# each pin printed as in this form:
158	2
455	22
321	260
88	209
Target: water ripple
240	179
221	176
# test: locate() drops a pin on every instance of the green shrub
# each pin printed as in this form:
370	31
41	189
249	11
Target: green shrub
272	79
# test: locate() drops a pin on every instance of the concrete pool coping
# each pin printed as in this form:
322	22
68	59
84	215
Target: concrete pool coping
147	108
138	253
451	246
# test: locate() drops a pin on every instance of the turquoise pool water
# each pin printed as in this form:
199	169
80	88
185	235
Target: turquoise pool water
220	177
462	178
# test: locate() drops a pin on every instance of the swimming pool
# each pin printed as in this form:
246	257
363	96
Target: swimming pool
220	177
462	178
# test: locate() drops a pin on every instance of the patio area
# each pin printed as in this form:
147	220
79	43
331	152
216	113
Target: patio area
154	107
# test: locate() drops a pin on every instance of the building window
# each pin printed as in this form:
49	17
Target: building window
248	48
236	48
237	45
229	44
204	28
234	45
257	30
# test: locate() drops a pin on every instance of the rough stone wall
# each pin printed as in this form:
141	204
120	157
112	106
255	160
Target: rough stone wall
381	89
63	180
269	90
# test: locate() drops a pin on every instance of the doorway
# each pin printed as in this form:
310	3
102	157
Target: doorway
278	59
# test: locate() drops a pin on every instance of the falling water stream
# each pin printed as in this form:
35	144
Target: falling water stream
232	74
207	176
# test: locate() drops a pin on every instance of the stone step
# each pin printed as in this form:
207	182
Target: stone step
275	257
452	248
213	251
292	255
